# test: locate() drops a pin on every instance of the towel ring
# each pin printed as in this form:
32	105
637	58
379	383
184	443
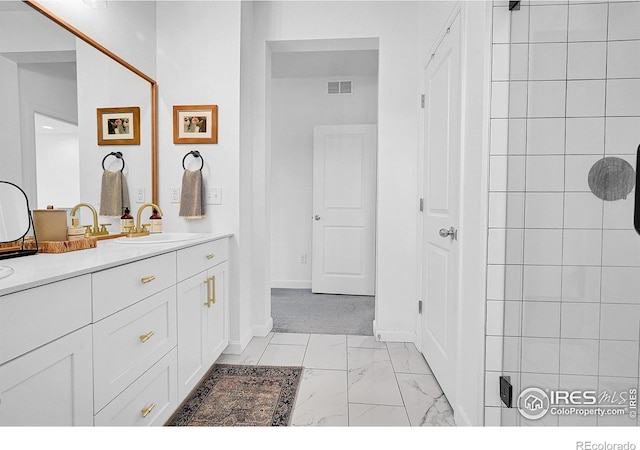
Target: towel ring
117	155
196	154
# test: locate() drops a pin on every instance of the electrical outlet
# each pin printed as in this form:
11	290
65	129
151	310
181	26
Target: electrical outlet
303	258
139	195
214	196
174	193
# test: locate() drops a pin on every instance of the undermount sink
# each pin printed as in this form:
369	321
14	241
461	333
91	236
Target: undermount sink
160	238
5	271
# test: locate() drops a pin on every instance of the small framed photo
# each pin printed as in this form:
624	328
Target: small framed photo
119	126
195	124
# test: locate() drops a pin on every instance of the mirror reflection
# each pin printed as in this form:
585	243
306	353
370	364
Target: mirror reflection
54	82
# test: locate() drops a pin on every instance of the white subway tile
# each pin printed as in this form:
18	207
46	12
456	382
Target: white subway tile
544	209
515	209
587	60
580	320
492	389
623	59
500	62
622	135
620	322
588	22
618	358
540	355
520	25
499	136
494	353
545	136
545	173
501	22
546	98
623	21
514	246
623	97
577	172
519	62
497	210
620	248
495	318
582	247
619	214
542	283
517	136
512	318
582	210
513	282
518	99
585	98
541	319
497	246
548	23
579	356
543	247
548	61
500	99
621	285
580	284
585	135
511	359
495	281
492	416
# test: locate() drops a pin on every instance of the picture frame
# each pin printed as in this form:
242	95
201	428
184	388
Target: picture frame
119	126
195	124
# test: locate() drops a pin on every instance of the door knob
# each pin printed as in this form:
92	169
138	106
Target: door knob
317	217
451	232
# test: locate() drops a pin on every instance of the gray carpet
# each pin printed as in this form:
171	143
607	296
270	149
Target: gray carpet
300	311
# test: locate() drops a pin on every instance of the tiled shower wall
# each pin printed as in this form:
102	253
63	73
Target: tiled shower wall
563	288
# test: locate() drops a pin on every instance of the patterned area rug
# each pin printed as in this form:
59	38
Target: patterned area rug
231	395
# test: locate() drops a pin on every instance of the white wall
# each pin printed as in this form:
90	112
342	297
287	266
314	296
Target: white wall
135	39
298	104
398	106
199	63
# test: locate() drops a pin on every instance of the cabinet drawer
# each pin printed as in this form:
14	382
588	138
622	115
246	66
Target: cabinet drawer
154	393
126	344
195	259
115	289
34	317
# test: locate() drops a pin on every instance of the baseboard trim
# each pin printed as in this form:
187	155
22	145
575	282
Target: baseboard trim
237	347
393	335
263	330
290	284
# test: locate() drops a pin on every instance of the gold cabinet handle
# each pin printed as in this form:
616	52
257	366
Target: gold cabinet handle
148	279
213	288
211	256
145	337
148	409
208	302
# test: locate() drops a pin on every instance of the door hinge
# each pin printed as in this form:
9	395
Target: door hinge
422	101
419	306
421	205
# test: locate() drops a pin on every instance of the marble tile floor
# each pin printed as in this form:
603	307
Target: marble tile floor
353	380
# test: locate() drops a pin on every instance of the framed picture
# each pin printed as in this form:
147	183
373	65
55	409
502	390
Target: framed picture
119	126
195	124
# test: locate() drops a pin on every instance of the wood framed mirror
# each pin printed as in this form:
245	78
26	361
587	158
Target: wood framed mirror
95	89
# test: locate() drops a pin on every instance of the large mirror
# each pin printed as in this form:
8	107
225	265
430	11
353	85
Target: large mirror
55	79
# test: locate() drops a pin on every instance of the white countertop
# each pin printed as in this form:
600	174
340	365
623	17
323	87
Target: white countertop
43	268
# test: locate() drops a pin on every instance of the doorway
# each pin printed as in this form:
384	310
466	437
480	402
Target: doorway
333	83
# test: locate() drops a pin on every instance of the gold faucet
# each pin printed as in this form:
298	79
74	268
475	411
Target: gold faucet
140	229
97	230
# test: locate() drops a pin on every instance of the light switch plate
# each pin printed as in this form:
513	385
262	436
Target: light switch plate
139	195
174	193
214	196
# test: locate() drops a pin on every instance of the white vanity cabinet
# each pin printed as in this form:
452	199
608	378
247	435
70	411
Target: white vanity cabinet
46	375
202	311
121	340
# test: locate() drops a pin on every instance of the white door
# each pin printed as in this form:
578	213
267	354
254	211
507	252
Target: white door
344	197
441	180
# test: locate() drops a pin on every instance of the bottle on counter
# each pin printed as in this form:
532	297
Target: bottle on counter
75	231
156	222
126	221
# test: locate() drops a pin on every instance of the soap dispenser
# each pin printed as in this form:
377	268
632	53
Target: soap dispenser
126	221
156	222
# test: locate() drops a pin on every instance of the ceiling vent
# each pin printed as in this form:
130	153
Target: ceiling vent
339	87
